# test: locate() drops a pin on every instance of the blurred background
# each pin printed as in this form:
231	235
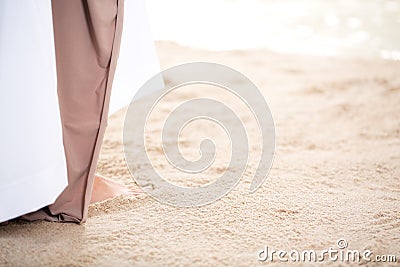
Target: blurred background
356	28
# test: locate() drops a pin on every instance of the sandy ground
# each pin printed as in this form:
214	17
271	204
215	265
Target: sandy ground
336	175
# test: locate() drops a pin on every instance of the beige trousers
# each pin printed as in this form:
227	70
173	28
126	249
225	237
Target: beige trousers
87	37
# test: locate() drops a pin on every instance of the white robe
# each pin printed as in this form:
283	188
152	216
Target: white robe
32	162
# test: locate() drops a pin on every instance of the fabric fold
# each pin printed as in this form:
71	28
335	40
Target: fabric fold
87	39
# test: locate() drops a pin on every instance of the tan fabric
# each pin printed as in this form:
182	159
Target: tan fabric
87	38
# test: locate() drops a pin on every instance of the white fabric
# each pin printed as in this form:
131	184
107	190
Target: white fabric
32	164
137	60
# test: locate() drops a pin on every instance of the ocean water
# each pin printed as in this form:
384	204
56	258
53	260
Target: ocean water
355	28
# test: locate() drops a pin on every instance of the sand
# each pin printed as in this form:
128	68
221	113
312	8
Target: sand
336	174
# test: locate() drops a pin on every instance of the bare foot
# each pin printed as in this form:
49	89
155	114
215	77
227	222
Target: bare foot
104	189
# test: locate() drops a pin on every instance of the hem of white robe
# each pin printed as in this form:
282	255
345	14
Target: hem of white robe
32	192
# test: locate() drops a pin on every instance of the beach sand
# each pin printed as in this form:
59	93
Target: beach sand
336	175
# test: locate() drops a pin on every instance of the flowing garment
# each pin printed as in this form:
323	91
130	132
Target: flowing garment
52	131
